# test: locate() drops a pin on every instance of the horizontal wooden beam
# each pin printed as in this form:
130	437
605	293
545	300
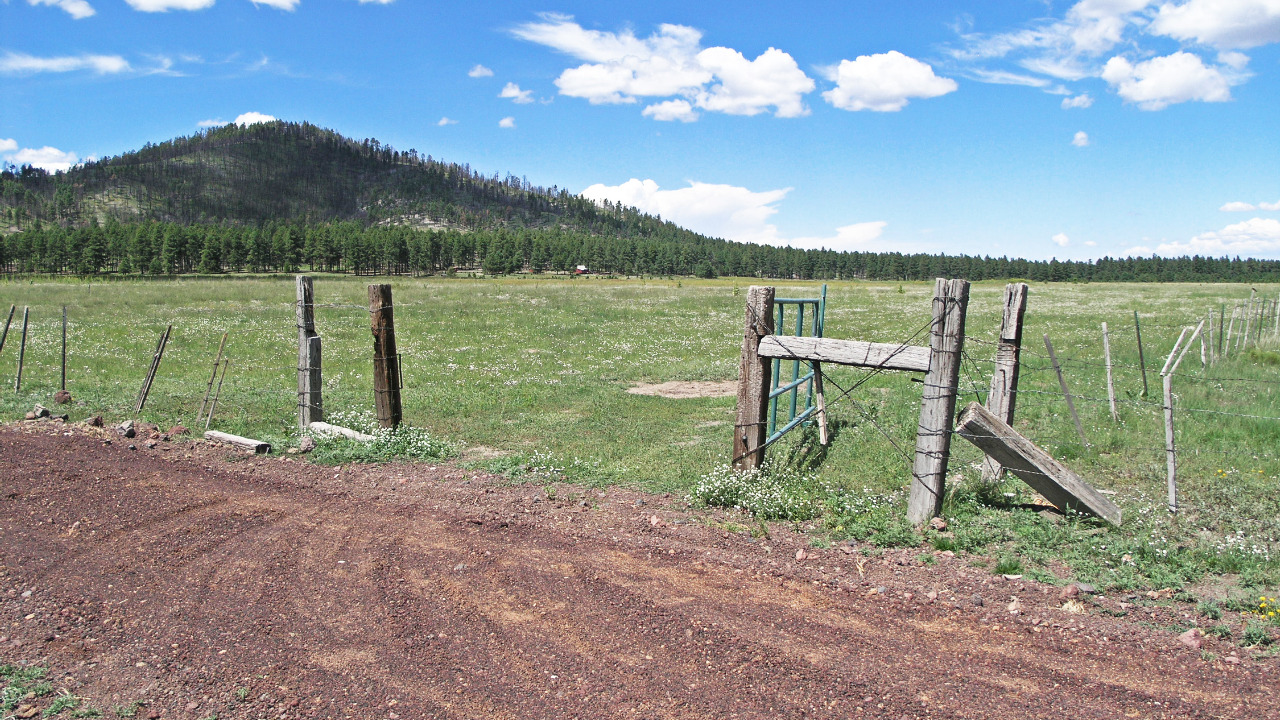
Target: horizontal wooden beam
324	428
885	356
243	443
1036	467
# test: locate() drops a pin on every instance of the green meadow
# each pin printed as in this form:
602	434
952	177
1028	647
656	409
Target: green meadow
530	377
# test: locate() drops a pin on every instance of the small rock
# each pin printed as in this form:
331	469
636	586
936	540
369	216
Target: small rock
95	421
932	595
30	415
640	502
62	397
132	446
1191	638
151	444
193	705
178	430
307	444
292	451
126	429
656	521
976	600
26	711
1231	659
1011	577
1015	606
938	524
41	411
1069	592
1086	588
801	555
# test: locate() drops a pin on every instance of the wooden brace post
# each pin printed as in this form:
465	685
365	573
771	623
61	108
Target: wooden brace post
750	430
1003	396
386	362
938	401
310	406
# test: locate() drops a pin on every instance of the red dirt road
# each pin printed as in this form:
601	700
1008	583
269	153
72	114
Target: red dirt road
265	587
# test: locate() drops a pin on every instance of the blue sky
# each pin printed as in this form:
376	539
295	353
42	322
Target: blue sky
1032	129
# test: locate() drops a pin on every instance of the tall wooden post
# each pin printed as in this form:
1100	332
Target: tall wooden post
63	386
22	349
938	401
217	360
1004	379
310	406
1111	388
750	430
4	335
1142	360
386	362
151	371
1213	356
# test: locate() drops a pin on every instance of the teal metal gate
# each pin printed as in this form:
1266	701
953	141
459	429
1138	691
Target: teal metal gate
788	395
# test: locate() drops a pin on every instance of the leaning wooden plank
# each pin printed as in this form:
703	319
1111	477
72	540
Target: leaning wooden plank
1036	467
325	428
241	442
886	356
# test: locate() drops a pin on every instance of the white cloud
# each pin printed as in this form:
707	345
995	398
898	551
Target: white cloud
507	122
730	212
1238	207
48	158
620	67
1090	243
446	121
1004	77
725	211
278	4
167	5
750	87
1081	139
518	96
1257	237
1079	101
1228	24
848	238
1061	240
669	110
884	82
78	9
253	118
1065	49
22	64
211	123
1269	206
479	71
1159	82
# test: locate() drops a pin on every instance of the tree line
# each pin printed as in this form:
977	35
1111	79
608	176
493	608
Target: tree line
166	248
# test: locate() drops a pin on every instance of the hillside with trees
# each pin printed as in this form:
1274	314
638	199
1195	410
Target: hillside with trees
280	197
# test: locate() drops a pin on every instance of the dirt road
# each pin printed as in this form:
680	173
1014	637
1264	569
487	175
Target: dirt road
203	582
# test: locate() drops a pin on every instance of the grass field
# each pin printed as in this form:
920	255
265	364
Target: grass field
530	377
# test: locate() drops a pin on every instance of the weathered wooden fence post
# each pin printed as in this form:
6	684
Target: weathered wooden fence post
938	401
1142	360
1003	396
310	405
151	371
217	360
1111	388
22	349
1166	374
63	386
5	335
750	430
1062	383
386	362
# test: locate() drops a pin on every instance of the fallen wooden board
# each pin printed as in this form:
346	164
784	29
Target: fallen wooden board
885	356
325	428
1036	467
256	446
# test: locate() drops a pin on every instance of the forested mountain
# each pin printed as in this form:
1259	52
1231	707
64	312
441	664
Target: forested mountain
287	196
